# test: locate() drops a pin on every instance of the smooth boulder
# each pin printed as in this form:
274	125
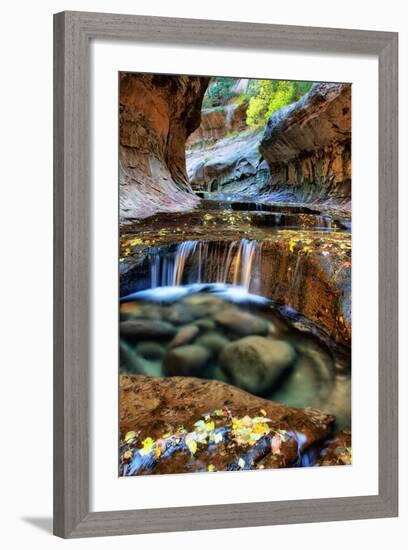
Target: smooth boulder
139	329
150	350
241	322
255	363
184	336
186	360
213	341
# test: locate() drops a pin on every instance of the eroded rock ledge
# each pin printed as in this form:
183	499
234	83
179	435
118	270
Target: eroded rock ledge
308	144
183	424
157	114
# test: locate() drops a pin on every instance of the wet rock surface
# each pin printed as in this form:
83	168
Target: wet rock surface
186	360
306	270
184	335
290	362
171	425
338	452
241	322
235	274
136	329
255	363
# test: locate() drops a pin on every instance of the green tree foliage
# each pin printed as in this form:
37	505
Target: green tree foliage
219	91
270	95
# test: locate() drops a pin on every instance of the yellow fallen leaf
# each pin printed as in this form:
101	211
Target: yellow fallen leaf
191	443
211	468
130	436
147	444
209	426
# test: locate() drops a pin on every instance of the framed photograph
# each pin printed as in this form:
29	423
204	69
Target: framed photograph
225	274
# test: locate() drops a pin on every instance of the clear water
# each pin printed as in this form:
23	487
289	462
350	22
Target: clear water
318	376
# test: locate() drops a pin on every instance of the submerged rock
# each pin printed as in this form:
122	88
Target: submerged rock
184	336
190	425
205	324
133	363
150	350
255	363
241	322
213	341
179	315
186	360
138	329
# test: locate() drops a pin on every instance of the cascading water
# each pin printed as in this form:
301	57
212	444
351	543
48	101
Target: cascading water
193	262
248	260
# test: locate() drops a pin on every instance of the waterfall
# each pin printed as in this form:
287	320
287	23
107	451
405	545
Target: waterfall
248	259
236	262
184	250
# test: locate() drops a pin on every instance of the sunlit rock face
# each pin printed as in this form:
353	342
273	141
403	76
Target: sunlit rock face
217	122
308	144
157	114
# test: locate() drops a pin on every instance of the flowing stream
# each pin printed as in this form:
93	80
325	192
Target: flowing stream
194	298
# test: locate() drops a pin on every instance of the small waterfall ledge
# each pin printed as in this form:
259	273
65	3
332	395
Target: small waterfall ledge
207	262
313	279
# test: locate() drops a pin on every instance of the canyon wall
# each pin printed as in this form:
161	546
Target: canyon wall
217	122
223	153
308	144
157	114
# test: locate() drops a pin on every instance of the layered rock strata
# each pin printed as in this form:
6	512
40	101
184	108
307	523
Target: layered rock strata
308	144
157	114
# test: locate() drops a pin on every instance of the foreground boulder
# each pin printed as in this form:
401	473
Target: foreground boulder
157	114
308	144
170	425
339	452
255	363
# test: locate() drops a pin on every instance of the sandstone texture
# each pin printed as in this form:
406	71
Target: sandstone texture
217	122
308	144
230	165
157	114
187	425
339	451
305	270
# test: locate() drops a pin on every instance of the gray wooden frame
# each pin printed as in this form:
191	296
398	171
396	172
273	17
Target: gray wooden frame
72	34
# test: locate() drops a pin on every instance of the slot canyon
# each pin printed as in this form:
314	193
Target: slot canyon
235	274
